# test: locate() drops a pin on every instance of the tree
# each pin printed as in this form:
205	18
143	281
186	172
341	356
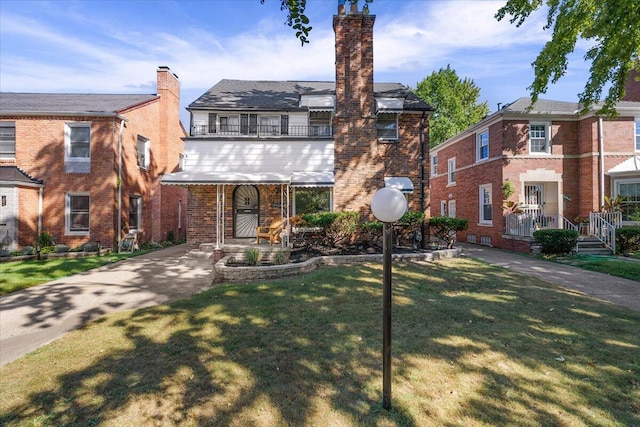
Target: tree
455	102
610	25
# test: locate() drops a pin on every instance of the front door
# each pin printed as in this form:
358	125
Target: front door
8	219
245	211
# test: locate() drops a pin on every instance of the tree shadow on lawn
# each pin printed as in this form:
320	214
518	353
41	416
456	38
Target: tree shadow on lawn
308	350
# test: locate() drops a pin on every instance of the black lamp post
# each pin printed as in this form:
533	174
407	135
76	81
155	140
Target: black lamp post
388	205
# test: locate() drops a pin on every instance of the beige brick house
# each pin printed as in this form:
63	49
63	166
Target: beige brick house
263	150
561	164
87	167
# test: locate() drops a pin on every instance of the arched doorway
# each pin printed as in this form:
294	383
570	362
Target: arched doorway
246	200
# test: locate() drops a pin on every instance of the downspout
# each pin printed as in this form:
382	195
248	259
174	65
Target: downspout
40	197
601	159
423	231
119	230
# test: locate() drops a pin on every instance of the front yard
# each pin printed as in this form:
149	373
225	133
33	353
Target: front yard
473	345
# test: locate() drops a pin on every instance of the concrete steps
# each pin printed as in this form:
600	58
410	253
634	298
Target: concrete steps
592	246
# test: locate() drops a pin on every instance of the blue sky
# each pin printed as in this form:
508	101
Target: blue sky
100	46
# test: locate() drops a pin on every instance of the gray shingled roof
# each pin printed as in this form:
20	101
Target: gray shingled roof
285	95
16	175
542	106
68	103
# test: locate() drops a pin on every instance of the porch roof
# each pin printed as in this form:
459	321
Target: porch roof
296	179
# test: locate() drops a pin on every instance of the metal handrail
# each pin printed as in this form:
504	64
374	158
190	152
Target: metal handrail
603	226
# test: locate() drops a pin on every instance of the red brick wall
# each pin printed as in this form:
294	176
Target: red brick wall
632	88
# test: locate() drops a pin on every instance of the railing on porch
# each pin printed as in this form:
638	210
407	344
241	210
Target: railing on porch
603	226
525	223
313	131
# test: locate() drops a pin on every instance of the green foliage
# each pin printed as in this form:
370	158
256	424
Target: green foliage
635	216
312	201
170	236
279	258
252	256
508	189
455	102
612	205
445	228
45	239
61	249
343	227
320	219
628	239
609	26
556	241
27	250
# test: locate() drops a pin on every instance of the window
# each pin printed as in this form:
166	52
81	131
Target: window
443	208
319	123
486	209
630	190
451	209
451	171
229	124
434	165
270	125
77	141
77	213
311	200
539	141
135	213
387	125
482	145
7	140
143	153
637	134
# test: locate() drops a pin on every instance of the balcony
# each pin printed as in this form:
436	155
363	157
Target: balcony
263	131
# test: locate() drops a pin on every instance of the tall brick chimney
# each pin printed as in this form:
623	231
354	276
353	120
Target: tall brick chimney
357	164
632	87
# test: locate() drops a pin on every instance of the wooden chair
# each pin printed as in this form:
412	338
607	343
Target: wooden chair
271	232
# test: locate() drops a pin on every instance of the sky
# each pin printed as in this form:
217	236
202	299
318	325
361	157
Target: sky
102	46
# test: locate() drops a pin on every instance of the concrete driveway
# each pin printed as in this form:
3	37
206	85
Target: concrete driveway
33	317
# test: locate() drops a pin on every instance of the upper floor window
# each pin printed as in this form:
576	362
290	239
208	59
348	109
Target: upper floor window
637	134
270	125
143	152
482	145
77	138
135	213
451	171
434	165
77	213
539	138
229	124
7	140
320	123
387	125
486	208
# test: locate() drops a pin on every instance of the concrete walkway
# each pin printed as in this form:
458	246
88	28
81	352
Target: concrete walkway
33	317
619	291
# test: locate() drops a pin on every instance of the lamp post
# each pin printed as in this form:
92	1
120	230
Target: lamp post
388	205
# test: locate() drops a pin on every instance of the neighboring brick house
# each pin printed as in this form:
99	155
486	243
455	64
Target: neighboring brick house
261	150
561	165
62	157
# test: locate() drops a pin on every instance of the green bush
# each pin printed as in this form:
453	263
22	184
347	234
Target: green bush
252	256
342	228
320	219
445	228
409	227
628	239
27	250
279	258
556	241
45	239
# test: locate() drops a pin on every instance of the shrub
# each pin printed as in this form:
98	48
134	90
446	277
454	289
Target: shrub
628	239
170	237
45	239
252	256
61	248
556	241
279	258
320	219
27	250
409	227
342	228
445	228
370	232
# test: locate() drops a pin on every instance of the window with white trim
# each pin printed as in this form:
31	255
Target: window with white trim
434	165
451	209
8	140
637	134
269	125
77	139
443	208
311	200
486	208
482	145
387	124
77	213
451	171
539	138
135	213
629	189
229	124
143	152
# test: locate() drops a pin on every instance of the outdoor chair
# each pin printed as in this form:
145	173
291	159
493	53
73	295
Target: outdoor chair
271	232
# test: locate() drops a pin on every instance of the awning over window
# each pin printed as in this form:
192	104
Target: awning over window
630	165
389	105
318	102
210	178
312	179
401	183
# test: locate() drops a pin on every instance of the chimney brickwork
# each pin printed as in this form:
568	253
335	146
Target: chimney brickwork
632	88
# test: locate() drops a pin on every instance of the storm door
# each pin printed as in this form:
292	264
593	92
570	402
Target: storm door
245	211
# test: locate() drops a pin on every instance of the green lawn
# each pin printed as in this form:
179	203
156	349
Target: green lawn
628	268
473	345
16	275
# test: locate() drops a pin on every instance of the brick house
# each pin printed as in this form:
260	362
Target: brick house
561	165
263	150
62	157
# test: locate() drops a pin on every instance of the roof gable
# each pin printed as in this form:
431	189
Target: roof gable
67	103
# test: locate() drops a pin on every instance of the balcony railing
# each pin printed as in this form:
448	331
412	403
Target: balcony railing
313	131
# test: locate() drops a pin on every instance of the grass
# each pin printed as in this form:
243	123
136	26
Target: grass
613	265
16	275
473	345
